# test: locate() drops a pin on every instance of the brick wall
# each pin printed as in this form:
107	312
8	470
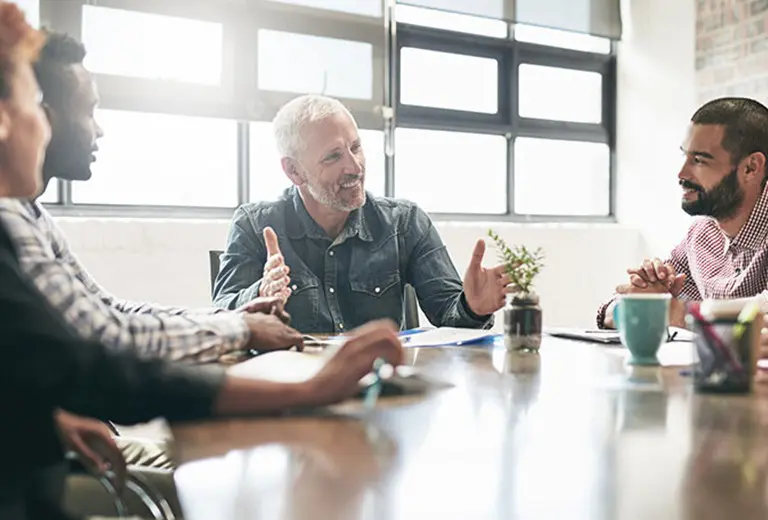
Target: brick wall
732	48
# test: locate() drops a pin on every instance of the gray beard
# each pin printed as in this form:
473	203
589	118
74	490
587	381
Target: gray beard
327	200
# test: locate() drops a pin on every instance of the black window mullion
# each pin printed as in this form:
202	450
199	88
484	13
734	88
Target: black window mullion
510	54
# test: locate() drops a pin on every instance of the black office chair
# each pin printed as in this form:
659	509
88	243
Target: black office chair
214	261
410	303
410	308
151	499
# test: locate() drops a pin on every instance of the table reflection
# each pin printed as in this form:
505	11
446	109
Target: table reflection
291	468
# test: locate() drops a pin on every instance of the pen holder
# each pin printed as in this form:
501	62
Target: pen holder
726	347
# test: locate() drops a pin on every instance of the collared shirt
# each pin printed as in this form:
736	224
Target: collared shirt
338	284
720	268
147	329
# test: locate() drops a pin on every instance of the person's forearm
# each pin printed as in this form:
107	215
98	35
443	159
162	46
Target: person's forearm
241	396
677	313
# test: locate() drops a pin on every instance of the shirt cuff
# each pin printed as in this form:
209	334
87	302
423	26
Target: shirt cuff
468	315
601	313
247	295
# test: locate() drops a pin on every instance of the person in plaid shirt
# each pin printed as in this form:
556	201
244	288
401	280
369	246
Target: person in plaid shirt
69	99
725	252
148	330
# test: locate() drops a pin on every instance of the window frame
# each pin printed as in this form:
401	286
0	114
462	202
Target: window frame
511	54
237	97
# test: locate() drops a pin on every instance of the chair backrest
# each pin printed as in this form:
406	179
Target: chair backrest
410	308
214	261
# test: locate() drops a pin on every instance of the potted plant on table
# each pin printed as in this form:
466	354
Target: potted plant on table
522	313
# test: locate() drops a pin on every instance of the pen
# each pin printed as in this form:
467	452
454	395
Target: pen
372	395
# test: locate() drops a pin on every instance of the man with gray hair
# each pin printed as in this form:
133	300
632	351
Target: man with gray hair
339	256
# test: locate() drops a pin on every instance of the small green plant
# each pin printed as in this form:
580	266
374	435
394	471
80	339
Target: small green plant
522	264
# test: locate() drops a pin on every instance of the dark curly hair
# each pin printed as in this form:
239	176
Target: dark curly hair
60	51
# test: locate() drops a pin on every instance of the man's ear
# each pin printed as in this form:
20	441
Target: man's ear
294	171
754	166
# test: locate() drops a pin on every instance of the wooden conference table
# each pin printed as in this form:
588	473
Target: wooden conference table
585	437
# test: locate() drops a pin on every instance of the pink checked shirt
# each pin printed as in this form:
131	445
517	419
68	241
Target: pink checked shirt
718	268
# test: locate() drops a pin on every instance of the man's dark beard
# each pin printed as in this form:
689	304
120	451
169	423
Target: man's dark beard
721	202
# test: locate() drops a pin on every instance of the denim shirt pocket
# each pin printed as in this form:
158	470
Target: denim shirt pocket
377	295
304	303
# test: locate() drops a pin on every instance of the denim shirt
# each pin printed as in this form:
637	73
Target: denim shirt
340	284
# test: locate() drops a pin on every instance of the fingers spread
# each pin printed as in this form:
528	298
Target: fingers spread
499	270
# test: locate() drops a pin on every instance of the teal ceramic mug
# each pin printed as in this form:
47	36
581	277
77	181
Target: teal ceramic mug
642	320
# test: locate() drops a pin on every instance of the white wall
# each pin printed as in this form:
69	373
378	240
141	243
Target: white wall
656	98
167	261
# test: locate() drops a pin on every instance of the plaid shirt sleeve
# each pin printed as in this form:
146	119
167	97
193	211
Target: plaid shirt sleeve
679	260
64	254
172	336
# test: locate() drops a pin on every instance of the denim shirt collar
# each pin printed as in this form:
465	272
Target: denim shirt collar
301	224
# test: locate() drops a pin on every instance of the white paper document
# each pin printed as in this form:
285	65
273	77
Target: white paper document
280	367
446	336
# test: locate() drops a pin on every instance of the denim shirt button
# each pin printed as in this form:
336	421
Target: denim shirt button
293	287
377	290
330	290
330	253
341	326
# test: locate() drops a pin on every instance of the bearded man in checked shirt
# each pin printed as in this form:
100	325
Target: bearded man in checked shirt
725	252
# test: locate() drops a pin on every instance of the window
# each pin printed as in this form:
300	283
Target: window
31	9
445	80
51	193
363	7
141	45
492	9
563	39
450	21
560	94
451	172
375	172
268	179
480	121
159	159
301	63
482	104
577	184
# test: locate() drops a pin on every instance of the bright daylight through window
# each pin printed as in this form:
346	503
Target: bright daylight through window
480	104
